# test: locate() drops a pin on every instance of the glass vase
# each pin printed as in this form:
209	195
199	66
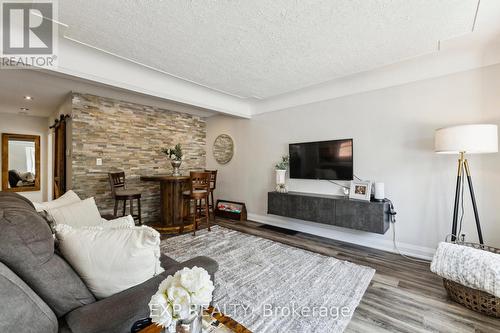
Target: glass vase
192	324
176	165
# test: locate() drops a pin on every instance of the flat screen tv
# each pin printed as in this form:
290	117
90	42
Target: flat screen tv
331	160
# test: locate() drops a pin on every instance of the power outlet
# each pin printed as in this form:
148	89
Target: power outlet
98	161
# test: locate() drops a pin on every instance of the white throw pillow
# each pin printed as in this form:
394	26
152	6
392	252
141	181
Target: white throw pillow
110	260
64	200
124	221
80	214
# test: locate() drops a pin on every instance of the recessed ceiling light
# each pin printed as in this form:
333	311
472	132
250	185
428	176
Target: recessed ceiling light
28	98
25	109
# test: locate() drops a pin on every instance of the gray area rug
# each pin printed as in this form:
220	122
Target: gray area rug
272	287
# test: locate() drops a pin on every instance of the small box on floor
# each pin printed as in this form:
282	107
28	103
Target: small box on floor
231	210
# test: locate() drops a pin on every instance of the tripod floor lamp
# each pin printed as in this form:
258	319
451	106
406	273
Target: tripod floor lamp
462	140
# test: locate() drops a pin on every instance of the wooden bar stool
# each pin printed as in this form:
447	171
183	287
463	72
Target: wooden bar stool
199	189
213	182
120	193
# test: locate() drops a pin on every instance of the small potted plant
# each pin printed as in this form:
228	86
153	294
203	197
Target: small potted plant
176	157
281	168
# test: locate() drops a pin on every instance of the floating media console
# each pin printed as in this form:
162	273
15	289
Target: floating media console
332	210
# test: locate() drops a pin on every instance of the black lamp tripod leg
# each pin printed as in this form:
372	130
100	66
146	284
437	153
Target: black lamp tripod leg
474	205
457	203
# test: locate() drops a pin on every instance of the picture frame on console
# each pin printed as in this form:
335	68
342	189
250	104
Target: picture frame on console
360	190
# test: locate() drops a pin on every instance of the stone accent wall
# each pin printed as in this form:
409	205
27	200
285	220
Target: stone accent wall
129	137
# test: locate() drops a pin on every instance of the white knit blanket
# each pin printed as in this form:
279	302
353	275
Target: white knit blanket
470	267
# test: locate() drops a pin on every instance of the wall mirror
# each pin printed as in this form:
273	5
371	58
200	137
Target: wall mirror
20	162
223	149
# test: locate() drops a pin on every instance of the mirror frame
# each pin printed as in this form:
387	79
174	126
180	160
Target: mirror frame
5	161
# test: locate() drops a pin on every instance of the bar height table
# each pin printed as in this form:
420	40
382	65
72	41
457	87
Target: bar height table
171	188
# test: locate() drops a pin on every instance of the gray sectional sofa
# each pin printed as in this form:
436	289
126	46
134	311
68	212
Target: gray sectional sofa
40	292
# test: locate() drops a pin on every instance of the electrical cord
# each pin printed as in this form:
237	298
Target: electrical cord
392	219
340	185
397	249
343	186
358	178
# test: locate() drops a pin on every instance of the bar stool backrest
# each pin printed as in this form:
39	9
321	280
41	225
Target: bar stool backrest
116	181
213	179
199	181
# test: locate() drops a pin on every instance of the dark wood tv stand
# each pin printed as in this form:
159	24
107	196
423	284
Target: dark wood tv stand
332	210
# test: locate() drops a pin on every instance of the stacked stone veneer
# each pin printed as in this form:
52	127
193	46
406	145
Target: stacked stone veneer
129	137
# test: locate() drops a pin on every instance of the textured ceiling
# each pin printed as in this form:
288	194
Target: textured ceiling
265	48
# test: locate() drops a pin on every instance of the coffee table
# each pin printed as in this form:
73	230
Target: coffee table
231	324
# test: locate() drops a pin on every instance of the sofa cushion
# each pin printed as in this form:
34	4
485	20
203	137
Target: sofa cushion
21	310
132	256
79	214
27	248
122	221
14	178
117	314
15	199
66	199
167	262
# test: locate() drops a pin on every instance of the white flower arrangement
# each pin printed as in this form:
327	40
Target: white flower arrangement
175	154
179	296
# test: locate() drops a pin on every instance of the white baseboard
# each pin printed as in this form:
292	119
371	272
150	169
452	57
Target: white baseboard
344	235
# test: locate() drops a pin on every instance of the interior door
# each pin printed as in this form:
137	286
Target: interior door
59	156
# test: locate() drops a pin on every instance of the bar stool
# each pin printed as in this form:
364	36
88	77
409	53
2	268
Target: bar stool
213	182
199	189
120	193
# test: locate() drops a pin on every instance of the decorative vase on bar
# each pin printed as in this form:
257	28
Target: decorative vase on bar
176	165
176	156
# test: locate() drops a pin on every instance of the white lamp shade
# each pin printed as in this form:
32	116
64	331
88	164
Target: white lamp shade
470	139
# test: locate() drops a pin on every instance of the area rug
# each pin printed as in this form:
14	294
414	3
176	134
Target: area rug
271	287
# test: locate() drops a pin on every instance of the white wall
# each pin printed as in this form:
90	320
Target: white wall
393	131
18	124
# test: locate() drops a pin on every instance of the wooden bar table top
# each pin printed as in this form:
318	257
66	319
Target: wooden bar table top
171	188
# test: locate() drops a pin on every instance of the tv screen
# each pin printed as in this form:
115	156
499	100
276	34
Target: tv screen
330	160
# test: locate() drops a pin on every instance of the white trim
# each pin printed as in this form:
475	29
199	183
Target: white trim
151	67
344	235
85	61
438	64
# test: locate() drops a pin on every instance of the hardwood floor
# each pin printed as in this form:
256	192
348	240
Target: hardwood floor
404	296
